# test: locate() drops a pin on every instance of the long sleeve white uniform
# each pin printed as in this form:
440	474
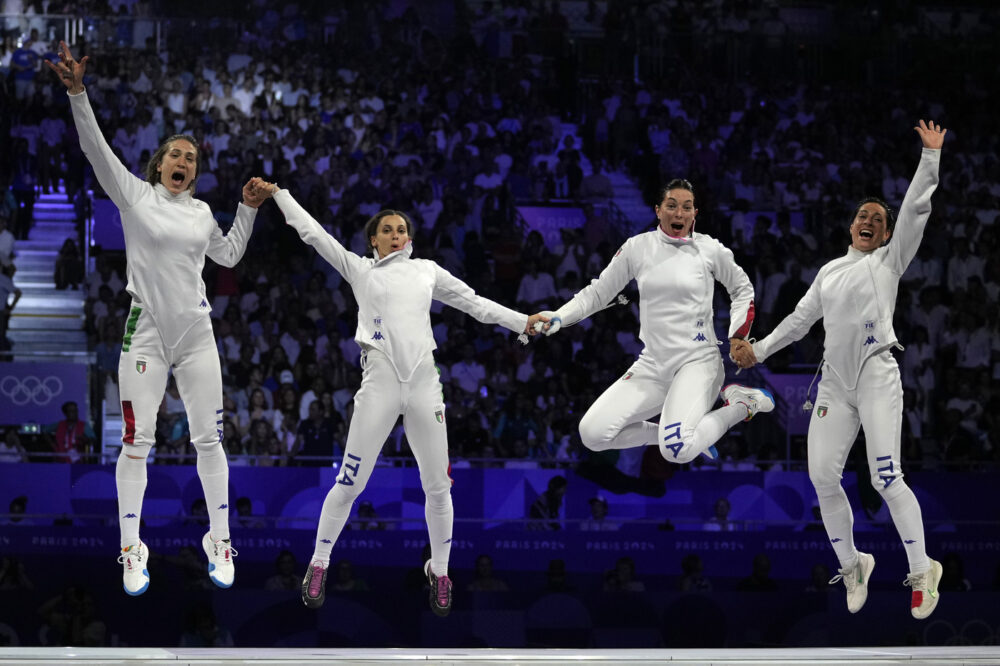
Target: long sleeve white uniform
167	236
856	294
394	294
676	287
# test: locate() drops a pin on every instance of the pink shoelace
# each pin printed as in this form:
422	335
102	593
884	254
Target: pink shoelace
443	590
316	581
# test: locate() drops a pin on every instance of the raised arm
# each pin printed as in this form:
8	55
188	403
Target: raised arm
916	207
312	233
451	291
228	249
120	184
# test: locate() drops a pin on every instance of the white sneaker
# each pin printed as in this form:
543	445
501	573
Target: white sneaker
925	595
135	577
856	581
755	400
220	560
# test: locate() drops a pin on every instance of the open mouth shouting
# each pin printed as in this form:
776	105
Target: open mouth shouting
866	234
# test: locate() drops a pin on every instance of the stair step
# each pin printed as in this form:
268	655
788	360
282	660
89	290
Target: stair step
50	295
48	340
52	321
52	225
53	198
55	216
38	246
35	280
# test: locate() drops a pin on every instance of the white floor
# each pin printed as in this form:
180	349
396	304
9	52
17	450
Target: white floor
951	656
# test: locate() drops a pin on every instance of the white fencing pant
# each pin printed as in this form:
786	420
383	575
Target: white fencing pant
688	426
377	405
142	379
877	406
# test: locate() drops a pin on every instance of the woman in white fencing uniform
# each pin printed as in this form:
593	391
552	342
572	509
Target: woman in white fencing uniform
856	296
679	372
394	294
168	234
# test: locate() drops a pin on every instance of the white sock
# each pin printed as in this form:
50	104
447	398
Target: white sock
130	480
440	515
717	423
909	522
838	519
333	517
213	470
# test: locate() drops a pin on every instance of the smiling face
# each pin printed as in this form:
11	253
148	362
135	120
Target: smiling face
870	230
676	212
179	165
391	235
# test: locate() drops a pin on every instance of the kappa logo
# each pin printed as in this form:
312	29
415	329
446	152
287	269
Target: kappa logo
821	411
130	515
140	367
439	415
325	541
204	303
700	338
378	336
870	341
908	541
836	540
223	506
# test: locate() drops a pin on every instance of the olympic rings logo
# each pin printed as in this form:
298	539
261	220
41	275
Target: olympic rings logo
21	391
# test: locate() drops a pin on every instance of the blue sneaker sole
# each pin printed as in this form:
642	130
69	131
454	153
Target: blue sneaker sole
218	583
141	589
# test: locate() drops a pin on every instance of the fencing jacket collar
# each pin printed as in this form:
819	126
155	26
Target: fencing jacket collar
672	240
406	250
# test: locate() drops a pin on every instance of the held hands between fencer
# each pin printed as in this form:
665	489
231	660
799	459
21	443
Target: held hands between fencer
548	322
741	353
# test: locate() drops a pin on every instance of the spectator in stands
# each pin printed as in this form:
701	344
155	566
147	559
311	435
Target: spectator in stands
693	578
544	511
286	577
11	449
6	244
346	580
719	522
598	520
485	581
69	266
9	296
759	579
71	438
622	577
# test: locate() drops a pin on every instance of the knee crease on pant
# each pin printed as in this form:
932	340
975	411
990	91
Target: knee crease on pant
889	488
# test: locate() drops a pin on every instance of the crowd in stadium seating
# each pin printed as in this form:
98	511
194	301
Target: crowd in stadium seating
390	114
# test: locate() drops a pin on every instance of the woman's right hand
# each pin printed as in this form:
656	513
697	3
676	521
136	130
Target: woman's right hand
263	187
70	71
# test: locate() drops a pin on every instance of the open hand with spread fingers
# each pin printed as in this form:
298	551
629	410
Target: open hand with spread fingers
70	71
931	134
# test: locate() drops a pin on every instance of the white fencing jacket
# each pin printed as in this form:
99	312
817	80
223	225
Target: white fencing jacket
856	294
394	294
167	236
676	279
